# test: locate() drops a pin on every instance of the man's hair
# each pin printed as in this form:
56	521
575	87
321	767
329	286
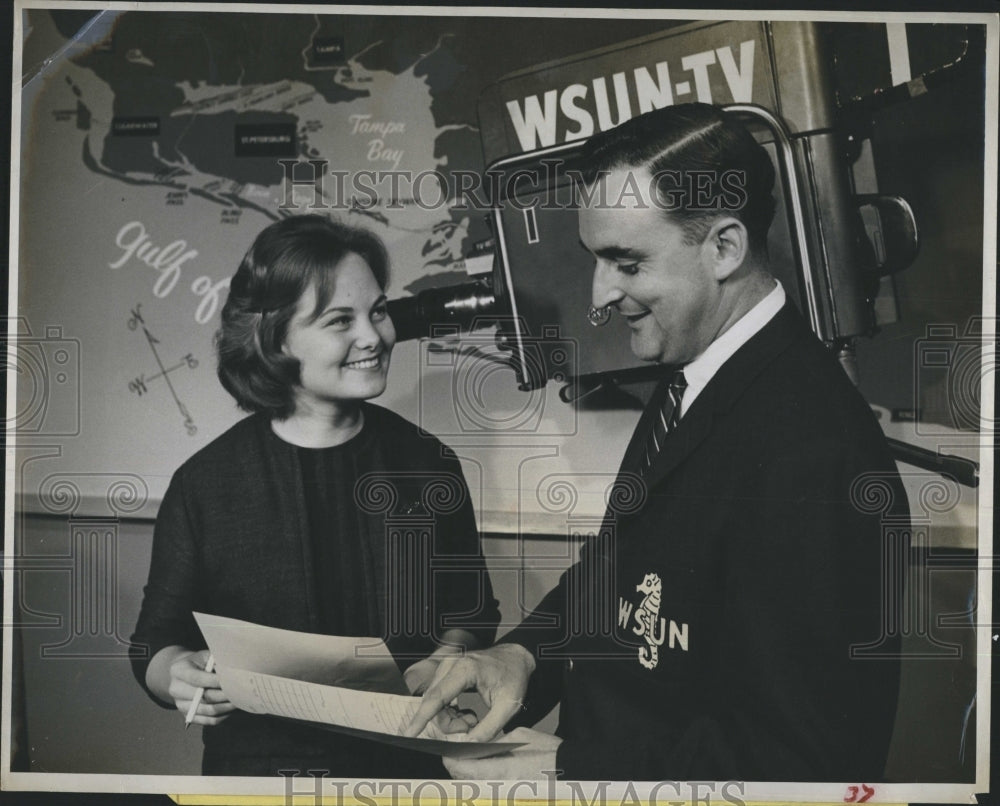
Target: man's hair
676	144
285	259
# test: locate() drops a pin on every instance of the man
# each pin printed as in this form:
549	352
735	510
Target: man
751	563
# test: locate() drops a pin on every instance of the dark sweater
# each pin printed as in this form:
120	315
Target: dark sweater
232	538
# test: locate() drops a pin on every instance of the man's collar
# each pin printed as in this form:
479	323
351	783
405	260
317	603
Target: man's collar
700	371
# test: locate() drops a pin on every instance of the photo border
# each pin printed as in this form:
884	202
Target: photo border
754	791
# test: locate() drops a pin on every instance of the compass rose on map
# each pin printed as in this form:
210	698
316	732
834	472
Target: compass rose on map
141	384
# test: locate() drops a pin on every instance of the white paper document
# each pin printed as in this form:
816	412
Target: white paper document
350	685
362	710
333	660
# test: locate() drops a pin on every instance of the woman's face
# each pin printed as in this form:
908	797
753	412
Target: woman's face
344	352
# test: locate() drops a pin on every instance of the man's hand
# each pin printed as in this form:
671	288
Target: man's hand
420	675
527	763
499	674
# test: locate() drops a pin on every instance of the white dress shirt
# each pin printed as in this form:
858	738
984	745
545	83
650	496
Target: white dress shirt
700	371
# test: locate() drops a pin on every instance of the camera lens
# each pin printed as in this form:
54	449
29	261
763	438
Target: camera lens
435	308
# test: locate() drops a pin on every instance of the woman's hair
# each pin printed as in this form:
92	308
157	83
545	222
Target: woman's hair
284	261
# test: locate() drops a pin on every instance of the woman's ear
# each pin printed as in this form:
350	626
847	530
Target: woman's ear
727	246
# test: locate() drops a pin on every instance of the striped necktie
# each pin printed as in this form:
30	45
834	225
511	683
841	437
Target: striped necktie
668	416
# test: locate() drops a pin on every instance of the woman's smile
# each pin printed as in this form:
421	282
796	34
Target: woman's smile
365	363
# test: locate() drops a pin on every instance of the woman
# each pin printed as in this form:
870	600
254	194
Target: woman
278	520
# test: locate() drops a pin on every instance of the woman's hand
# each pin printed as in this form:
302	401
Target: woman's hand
176	673
187	675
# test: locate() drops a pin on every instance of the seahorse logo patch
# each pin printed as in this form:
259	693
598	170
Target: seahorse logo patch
649	624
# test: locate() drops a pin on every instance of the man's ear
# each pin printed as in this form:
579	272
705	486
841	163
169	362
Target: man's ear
726	247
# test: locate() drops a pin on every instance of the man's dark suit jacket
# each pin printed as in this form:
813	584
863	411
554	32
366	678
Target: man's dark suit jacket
708	632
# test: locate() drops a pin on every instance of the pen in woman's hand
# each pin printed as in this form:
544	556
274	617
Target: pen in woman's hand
209	667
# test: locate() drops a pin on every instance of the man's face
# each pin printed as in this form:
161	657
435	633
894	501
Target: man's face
663	287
